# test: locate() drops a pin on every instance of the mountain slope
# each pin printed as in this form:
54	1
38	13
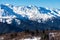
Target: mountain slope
19	18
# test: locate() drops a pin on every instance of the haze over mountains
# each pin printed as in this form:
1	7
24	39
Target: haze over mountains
20	18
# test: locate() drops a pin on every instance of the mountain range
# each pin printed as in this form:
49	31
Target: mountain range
20	18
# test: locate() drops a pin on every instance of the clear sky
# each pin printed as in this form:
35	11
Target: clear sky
42	3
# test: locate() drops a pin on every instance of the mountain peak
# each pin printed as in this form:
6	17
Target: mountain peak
31	12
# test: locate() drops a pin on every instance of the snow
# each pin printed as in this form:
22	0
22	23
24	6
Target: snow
34	38
7	4
1	38
9	21
52	34
32	14
0	20
47	8
1	11
52	21
18	21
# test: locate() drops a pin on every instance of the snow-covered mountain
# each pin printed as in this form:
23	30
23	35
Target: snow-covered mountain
29	17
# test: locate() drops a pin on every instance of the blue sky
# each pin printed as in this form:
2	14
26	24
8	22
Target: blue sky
42	3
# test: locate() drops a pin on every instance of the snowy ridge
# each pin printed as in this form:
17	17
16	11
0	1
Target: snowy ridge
33	13
39	14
